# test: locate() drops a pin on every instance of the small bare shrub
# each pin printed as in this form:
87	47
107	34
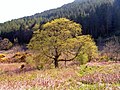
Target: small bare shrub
112	49
5	44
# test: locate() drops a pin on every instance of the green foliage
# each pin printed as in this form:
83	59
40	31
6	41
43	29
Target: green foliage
85	70
38	61
36	27
83	58
88	47
5	44
98	18
61	40
103	73
29	60
21	29
104	58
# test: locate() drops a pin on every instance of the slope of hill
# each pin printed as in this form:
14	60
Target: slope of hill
100	18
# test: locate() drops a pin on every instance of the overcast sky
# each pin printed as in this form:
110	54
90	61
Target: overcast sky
13	9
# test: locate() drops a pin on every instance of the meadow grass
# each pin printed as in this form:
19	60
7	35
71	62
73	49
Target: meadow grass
83	77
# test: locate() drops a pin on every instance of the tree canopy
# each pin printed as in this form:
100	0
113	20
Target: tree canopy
62	40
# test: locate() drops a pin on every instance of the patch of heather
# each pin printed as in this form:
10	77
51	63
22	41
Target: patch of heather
101	77
28	84
109	73
84	77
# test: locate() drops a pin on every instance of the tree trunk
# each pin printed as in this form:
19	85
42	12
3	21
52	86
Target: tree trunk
56	63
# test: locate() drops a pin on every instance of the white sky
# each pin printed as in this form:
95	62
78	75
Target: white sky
13	9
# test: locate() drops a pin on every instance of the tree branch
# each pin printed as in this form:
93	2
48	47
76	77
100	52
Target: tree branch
73	57
52	57
65	60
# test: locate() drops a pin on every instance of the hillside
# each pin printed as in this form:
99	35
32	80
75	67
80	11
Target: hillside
100	18
73	47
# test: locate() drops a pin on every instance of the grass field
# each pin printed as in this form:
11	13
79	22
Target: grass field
92	76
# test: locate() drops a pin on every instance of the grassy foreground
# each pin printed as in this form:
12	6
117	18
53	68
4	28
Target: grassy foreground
92	76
